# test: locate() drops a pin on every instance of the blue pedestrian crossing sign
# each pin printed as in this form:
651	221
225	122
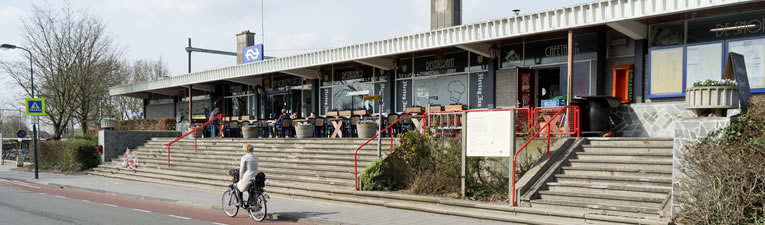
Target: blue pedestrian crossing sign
35	106
252	53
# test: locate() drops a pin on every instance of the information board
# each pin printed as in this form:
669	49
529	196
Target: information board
489	134
735	67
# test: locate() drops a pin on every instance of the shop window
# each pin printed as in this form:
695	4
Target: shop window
703	62
443	90
753	51
666	72
666	34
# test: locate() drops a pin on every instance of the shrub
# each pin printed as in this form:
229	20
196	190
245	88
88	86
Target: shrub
75	154
724	178
380	175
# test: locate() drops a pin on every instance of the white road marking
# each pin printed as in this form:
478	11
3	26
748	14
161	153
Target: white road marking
83	200
141	210
179	217
59	196
23	184
220	224
110	205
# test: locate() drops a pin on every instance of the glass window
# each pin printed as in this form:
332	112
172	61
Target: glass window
665	34
754	59
703	62
443	90
666	72
511	55
478	62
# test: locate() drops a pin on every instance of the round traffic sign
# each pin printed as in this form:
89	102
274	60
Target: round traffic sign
21	133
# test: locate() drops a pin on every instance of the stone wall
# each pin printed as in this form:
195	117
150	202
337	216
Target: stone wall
115	142
689	131
655	119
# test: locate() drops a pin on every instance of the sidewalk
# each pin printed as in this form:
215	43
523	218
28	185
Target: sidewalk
302	210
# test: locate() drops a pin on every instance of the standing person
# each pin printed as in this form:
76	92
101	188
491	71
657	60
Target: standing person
248	169
214	123
278	122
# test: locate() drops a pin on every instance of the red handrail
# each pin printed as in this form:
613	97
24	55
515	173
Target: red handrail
355	155
546	125
218	117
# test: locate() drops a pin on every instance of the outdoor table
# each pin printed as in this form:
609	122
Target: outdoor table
301	120
337	123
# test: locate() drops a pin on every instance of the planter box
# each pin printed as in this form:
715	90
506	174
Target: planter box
455	107
109	123
360	112
346	113
414	109
720	97
366	130
333	113
249	132
304	131
437	108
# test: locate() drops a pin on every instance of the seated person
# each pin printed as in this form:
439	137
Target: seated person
278	122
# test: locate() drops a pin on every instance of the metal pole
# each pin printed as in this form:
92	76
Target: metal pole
34	126
189	57
511	156
463	157
379	130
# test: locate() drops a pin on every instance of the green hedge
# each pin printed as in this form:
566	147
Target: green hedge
76	154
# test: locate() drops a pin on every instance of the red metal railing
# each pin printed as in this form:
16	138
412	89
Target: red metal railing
355	155
220	133
546	125
565	124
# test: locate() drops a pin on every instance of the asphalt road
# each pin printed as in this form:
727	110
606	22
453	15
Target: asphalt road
27	203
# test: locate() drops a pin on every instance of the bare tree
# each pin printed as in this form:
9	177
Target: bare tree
141	70
71	54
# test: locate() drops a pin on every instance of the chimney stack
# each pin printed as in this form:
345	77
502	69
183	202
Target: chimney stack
445	13
244	39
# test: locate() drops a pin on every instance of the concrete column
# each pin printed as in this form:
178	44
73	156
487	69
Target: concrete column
315	96
570	67
491	77
445	13
145	103
601	70
243	39
639	73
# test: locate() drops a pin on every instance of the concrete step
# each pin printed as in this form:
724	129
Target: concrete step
631	141
615	172
598	208
238	147
628	149
663	165
262	160
255	141
237	156
602	199
289	171
623	156
157	163
214	179
618	190
606	180
422	203
238	151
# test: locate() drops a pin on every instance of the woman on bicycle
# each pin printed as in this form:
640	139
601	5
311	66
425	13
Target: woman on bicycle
248	169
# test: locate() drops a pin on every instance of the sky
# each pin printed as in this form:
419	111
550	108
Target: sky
150	29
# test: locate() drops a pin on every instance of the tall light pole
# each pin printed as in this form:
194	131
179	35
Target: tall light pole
32	80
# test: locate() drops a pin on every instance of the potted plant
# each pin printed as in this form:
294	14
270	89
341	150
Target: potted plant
304	130
109	123
366	128
250	131
712	94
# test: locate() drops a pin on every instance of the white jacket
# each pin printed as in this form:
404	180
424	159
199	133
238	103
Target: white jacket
248	169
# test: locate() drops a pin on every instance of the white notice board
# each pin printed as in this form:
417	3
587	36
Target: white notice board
489	133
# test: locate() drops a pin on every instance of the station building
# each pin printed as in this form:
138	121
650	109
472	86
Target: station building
645	52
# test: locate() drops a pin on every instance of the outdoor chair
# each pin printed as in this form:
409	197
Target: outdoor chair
395	128
284	128
352	126
318	127
406	124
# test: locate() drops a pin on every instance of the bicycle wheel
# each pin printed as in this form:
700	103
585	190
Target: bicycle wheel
228	203
258	209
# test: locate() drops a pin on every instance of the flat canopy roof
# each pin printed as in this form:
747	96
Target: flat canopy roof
475	37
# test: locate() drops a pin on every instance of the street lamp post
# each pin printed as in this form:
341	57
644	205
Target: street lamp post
32	80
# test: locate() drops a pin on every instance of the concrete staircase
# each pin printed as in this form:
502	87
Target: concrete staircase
320	169
626	177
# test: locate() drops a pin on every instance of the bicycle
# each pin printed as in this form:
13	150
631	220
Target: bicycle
256	204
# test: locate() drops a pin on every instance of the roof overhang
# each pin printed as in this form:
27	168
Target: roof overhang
469	36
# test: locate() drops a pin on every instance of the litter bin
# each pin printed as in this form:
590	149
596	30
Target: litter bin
594	112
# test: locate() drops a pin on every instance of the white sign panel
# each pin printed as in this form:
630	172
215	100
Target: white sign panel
489	133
